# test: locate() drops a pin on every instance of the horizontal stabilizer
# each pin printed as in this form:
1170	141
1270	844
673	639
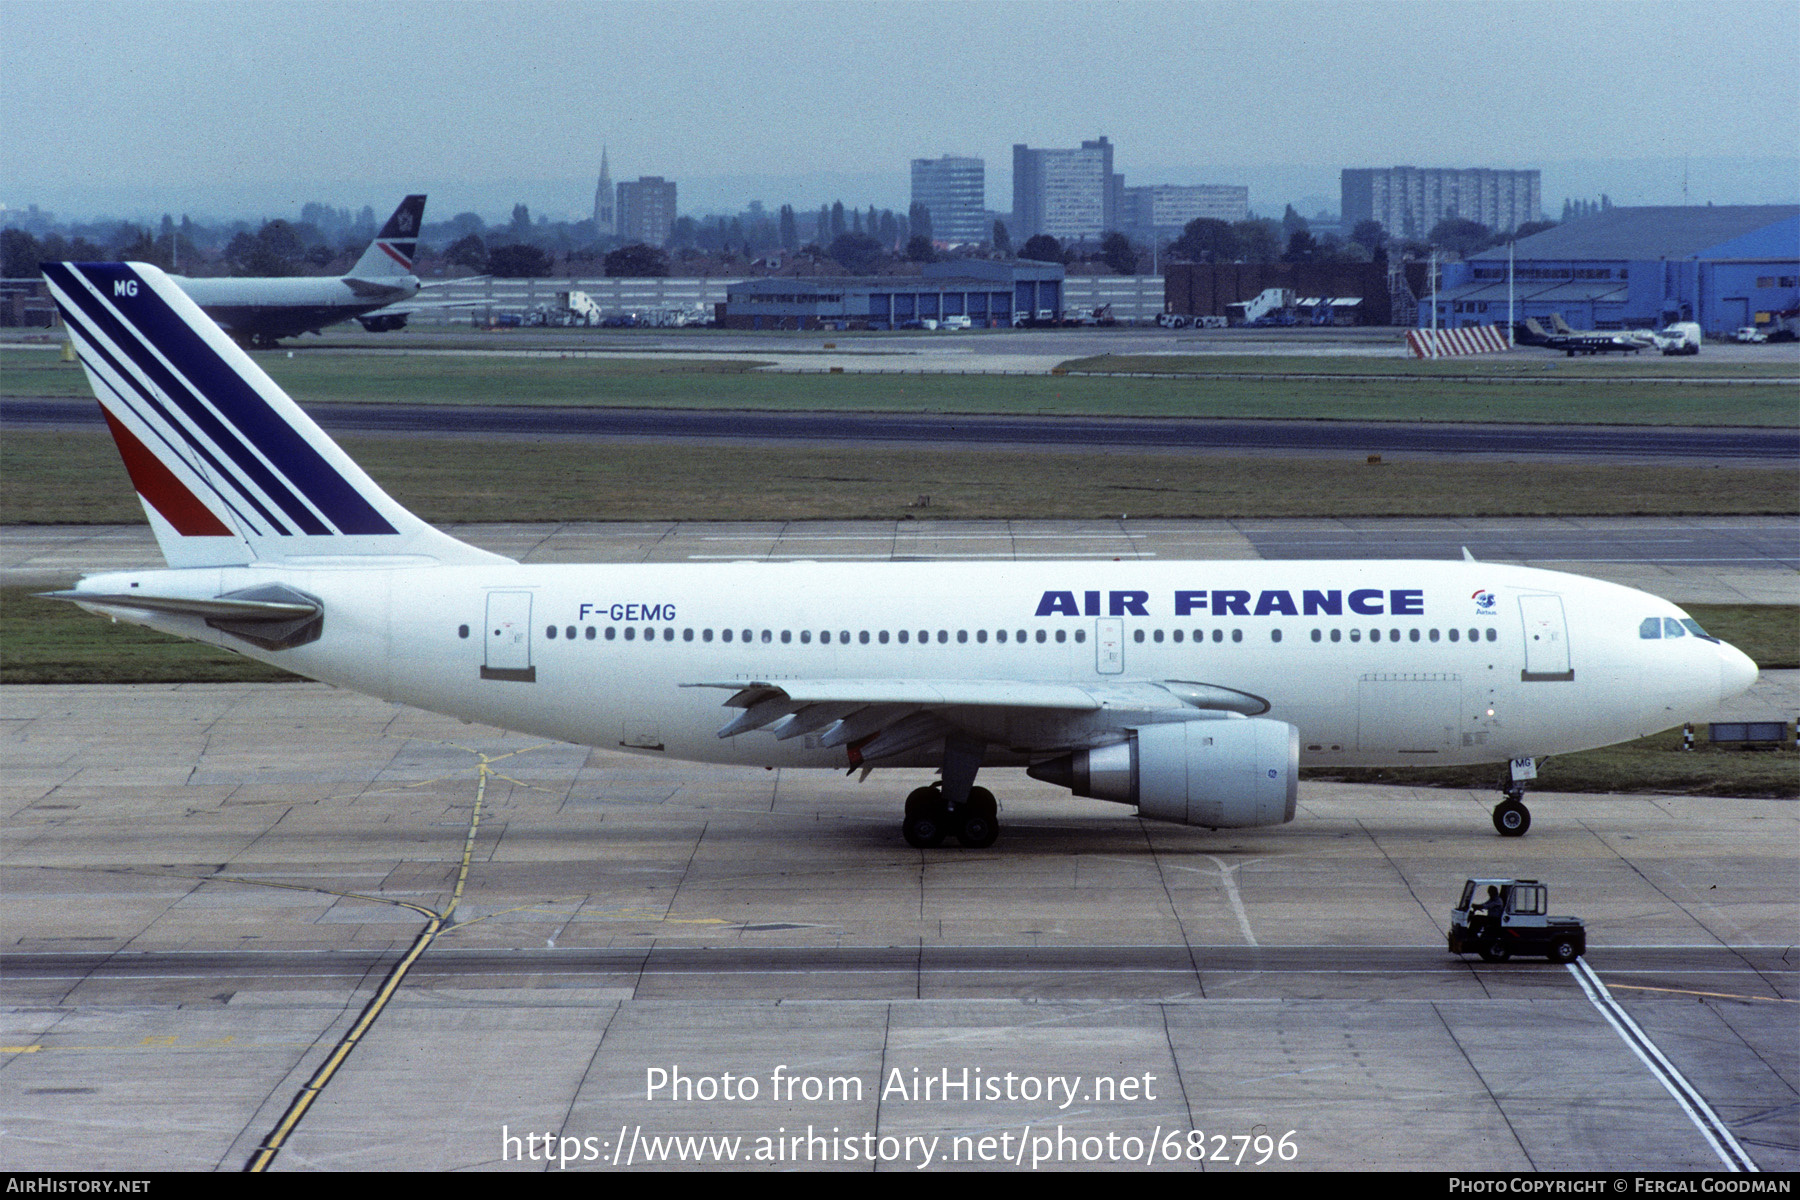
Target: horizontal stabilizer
221	607
273	616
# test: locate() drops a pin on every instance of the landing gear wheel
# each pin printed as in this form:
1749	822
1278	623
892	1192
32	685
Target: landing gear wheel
1511	818
1562	951
980	820
927	822
1495	951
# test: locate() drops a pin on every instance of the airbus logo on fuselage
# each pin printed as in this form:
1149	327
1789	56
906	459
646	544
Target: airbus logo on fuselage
1227	602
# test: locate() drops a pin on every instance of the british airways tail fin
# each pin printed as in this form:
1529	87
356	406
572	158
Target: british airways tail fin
391	254
229	469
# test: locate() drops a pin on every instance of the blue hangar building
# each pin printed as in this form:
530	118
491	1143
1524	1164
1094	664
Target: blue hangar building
1630	268
990	294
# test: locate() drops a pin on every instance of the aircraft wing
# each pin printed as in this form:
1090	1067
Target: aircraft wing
880	718
408	307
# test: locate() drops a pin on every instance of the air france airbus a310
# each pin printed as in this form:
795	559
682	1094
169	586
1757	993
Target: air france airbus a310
1192	690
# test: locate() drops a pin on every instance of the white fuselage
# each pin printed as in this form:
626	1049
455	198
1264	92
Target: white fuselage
284	307
1375	663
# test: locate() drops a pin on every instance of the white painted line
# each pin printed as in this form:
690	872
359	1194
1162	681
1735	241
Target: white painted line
1228	877
1708	1122
879	555
941	537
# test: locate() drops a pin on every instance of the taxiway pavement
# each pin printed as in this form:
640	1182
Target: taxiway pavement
203	889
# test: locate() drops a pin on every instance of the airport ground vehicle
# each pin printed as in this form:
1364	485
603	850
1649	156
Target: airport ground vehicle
1682	337
1502	918
1749	334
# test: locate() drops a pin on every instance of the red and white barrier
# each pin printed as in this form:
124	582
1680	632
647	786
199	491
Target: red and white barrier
1454	343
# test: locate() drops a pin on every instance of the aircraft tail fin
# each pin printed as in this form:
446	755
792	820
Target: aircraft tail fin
1557	323
1533	331
229	469
391	254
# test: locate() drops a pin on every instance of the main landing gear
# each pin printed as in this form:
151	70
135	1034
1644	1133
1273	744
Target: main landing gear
929	820
956	807
1511	817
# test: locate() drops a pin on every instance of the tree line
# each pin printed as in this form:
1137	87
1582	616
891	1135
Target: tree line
835	239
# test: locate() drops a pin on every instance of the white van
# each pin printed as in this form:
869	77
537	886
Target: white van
1683	337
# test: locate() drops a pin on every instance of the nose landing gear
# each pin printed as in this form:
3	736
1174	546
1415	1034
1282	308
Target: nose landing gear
1511	817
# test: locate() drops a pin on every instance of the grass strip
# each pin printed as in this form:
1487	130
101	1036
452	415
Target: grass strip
1521	366
1653	764
603	382
76	478
51	641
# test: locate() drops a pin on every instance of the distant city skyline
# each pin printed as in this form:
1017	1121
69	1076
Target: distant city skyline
228	109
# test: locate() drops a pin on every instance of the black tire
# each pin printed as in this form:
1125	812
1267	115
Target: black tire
1495	951
923	800
1511	818
979	830
926	824
980	820
924	831
1562	950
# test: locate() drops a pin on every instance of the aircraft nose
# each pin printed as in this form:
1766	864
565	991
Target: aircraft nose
1736	671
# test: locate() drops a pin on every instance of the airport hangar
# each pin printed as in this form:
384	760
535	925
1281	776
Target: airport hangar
1628	268
989	294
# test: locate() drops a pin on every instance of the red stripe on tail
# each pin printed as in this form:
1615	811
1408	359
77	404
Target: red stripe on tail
159	487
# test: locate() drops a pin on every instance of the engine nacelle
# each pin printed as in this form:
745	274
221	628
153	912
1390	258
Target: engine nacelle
1226	774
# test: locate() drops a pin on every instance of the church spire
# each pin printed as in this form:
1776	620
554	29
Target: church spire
603	200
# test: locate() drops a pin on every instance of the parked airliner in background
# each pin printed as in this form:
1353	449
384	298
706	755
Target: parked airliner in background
260	312
1192	690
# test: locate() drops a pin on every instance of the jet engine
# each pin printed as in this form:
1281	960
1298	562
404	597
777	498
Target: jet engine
1221	774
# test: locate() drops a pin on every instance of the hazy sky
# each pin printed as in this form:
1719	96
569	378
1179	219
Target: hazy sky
168	96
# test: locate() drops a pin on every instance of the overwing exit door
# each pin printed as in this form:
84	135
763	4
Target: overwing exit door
1109	645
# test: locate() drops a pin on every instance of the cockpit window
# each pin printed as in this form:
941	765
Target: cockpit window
1693	627
1651	628
1672	628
